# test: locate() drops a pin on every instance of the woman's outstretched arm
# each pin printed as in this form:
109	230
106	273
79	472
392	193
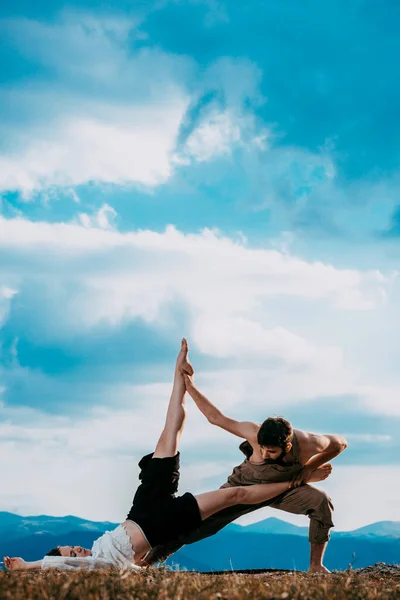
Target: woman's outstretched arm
65	563
19	564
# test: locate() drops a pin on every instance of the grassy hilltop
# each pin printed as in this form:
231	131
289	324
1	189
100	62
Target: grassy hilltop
161	585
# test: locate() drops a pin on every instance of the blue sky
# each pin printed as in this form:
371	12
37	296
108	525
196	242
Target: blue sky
222	171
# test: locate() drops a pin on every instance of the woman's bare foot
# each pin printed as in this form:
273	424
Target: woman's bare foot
182	363
321	473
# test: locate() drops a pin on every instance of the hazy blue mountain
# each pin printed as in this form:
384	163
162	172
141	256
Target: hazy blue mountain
381	529
268	544
389	529
15	526
274	525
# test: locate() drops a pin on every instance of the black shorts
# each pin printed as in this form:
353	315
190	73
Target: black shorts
161	515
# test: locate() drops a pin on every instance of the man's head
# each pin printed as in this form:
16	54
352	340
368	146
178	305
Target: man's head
275	438
70	551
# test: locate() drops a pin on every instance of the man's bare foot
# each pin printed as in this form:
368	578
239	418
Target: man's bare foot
182	363
321	473
318	569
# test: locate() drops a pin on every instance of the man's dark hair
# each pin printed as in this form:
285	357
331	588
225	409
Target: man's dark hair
54	552
275	431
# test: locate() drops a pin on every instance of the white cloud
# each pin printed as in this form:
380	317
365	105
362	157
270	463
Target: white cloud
242	304
219	133
374	489
270	272
133	145
368	437
131	136
221	282
386	402
225	336
216	135
102	219
6	295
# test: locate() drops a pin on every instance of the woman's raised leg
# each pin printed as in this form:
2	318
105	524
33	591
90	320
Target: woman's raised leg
212	502
176	414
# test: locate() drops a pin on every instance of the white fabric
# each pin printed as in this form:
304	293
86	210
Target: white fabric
112	549
74	563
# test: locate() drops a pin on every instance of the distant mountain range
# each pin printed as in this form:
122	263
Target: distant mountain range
14	526
390	529
270	543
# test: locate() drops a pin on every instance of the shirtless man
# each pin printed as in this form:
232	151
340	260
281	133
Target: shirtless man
274	452
157	515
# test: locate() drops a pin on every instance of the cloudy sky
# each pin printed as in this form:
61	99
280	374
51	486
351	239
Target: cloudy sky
224	171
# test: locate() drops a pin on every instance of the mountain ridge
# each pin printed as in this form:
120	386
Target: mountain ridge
26	524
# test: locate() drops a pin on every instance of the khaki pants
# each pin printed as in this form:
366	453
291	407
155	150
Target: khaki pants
304	500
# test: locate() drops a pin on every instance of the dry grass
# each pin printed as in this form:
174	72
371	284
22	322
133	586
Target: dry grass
160	585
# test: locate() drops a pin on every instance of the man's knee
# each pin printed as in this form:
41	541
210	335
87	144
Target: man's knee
320	515
313	499
322	501
321	507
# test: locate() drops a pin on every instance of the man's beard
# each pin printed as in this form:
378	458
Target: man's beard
276	461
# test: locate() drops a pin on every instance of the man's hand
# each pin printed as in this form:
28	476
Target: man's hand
302	477
188	380
14	564
311	475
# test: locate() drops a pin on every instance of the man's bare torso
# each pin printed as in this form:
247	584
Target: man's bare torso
309	444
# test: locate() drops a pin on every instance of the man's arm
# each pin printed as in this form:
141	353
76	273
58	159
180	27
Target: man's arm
243	429
317	450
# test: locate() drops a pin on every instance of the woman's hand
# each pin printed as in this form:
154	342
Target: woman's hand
14	564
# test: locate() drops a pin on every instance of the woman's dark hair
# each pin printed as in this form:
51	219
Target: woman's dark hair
275	431
54	552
